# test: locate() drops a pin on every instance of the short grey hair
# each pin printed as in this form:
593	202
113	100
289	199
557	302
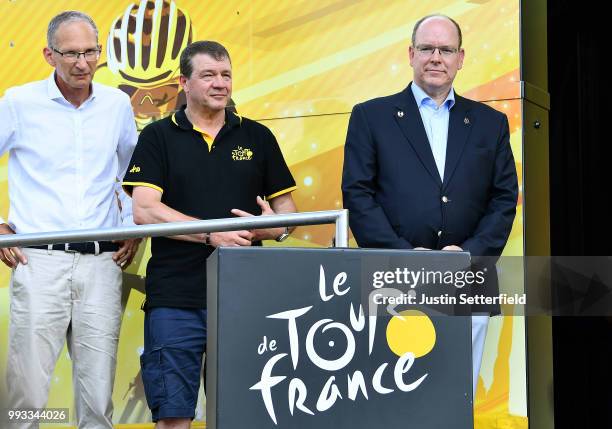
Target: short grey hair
436	15
67	16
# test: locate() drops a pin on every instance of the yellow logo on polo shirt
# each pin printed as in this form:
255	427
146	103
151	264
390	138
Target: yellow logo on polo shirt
135	169
242	154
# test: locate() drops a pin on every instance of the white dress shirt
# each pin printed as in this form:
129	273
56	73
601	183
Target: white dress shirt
66	163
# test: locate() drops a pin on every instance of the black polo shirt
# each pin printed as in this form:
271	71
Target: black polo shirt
203	178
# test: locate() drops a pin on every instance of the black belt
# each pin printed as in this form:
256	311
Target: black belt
88	248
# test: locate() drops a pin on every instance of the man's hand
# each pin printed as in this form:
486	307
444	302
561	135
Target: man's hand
124	256
453	248
261	234
231	238
11	256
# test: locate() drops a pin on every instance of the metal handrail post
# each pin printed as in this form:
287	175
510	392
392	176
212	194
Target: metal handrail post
342	226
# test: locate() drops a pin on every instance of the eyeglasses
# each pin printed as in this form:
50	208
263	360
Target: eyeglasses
445	51
73	56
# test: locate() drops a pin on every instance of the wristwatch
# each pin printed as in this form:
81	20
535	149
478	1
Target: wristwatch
284	235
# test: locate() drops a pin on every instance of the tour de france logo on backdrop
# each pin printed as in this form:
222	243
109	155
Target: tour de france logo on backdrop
410	335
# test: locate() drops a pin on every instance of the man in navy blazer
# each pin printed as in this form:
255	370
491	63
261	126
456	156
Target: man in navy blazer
428	169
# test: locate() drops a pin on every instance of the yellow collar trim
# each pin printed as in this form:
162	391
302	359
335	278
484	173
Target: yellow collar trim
207	137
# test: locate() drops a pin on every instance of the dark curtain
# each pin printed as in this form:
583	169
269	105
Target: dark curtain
580	189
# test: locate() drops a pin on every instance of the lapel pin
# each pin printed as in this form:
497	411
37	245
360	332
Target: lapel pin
466	121
400	114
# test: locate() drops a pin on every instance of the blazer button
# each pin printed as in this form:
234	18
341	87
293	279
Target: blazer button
439	233
445	199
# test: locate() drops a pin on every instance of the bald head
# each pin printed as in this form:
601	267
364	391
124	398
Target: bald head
437	16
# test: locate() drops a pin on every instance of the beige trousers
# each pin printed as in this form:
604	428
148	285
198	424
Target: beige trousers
61	296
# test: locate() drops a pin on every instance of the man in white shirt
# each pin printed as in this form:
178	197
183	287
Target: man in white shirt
70	141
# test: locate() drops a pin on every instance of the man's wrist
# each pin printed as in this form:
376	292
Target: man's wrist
207	238
5	228
283	235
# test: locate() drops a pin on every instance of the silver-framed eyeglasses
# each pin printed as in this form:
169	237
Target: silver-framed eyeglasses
428	50
73	56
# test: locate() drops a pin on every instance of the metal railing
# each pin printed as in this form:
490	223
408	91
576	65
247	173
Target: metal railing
339	217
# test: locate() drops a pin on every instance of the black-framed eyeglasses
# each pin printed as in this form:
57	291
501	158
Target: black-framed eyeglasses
73	56
428	50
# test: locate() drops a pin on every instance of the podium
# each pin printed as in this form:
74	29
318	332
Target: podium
296	339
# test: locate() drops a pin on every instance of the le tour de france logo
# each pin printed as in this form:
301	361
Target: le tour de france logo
410	335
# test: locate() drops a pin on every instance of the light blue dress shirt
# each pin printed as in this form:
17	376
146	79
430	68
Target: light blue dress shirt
435	120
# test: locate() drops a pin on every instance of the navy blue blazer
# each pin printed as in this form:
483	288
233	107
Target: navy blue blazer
392	188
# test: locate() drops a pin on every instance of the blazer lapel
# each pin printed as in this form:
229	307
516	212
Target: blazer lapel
408	118
460	124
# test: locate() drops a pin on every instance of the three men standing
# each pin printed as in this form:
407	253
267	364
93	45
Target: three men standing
424	169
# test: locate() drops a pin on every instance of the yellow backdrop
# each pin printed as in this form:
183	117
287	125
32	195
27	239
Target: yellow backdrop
299	67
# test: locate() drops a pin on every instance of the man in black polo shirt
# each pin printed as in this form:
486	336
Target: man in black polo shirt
203	162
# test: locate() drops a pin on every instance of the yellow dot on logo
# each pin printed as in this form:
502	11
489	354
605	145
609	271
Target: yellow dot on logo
412	332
